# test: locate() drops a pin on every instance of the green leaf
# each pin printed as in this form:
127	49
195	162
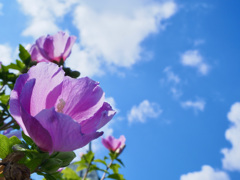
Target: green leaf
27	139
14	66
69	174
66	157
24	55
51	165
116	176
101	161
81	167
89	157
115	168
4	146
33	163
49	177
120	161
113	155
13	141
4	98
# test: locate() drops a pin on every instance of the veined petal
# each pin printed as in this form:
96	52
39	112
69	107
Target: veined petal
15	100
68	46
48	76
36	55
65	133
102	117
37	132
83	98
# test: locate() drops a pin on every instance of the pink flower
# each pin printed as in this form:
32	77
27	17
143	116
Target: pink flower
115	145
58	112
52	48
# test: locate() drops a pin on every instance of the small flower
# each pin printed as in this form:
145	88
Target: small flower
58	112
11	132
52	48
115	145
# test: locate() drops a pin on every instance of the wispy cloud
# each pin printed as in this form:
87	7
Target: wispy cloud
193	58
6	53
206	173
198	105
231	160
112	34
172	80
144	111
1	7
171	76
44	15
110	31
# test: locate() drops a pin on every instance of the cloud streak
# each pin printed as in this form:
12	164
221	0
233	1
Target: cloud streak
193	58
198	105
144	111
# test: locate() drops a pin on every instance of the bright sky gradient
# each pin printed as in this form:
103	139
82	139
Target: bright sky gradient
169	67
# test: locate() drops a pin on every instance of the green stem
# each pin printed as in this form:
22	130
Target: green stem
103	177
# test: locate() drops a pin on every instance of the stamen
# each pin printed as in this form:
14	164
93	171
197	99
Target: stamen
60	105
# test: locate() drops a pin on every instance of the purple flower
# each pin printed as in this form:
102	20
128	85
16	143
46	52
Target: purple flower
11	132
115	145
52	48
58	112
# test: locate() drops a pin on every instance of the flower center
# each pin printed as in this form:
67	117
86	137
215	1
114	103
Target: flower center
60	105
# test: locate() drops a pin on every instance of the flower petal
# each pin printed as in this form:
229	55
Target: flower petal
37	132
15	100
65	132
102	117
68	47
36	55
83	98
48	76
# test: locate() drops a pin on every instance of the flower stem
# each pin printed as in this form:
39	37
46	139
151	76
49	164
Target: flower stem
103	177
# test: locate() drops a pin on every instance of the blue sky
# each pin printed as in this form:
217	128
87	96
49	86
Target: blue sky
170	68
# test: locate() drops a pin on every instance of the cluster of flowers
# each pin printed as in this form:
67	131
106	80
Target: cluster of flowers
59	113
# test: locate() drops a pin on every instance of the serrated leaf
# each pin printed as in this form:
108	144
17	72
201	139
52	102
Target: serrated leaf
27	139
101	161
69	174
66	157
24	55
4	146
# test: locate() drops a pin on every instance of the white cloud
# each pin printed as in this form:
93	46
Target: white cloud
173	81
207	173
44	15
1	7
193	58
171	76
6	54
196	105
231	160
144	111
111	31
